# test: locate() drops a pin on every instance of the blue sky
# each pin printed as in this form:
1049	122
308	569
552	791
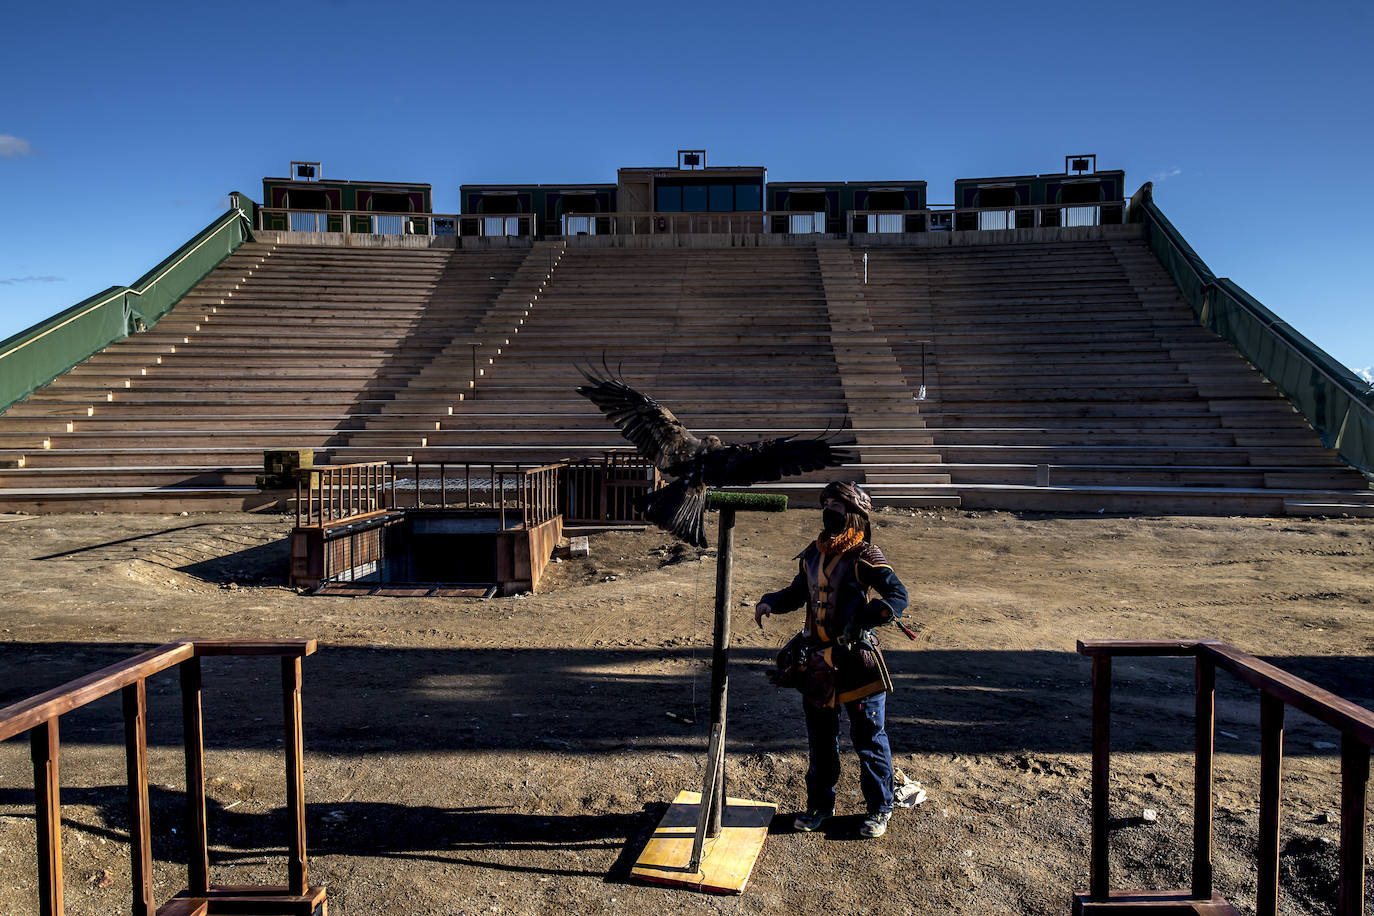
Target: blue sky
122	128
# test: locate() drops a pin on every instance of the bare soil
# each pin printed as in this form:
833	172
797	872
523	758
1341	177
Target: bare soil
513	755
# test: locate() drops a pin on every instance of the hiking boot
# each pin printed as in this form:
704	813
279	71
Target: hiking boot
810	820
875	825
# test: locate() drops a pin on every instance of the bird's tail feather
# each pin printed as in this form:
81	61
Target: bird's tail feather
679	509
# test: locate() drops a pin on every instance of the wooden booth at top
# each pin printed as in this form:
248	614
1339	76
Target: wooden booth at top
307	202
1078	196
846	206
535	209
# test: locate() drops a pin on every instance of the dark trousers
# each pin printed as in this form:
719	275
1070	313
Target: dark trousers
868	733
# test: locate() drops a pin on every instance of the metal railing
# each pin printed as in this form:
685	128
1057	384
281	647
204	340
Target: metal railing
352	222
39	716
1278	689
34	357
329	494
1337	404
930	219
1029	216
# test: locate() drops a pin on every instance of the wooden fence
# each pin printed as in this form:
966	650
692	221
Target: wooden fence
39	716
328	495
604	491
1278	689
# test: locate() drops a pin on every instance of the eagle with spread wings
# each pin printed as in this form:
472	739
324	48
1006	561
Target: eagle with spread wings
698	463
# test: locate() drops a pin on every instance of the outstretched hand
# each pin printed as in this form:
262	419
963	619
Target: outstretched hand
761	610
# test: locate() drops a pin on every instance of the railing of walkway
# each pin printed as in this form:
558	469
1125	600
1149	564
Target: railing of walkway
931	219
332	494
605	490
942	219
1278	689
39	716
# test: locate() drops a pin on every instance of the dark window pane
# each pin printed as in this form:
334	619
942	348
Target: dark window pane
306	200
997	197
722	197
667	200
694	198
391	203
887	200
748	197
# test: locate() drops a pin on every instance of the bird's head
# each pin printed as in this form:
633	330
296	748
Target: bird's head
712	441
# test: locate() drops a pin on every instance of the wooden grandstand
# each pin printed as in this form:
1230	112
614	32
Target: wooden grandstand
1057	372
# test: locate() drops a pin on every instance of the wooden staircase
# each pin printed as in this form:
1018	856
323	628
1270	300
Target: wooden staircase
883	409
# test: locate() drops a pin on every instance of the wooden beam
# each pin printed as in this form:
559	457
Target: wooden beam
1099	878
286	647
720	657
193	738
1204	743
1271	775
297	882
135	700
1354	803
44	748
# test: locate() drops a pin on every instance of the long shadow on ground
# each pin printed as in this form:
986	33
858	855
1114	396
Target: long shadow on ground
597	701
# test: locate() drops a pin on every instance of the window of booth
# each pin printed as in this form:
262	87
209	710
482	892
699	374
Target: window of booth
306	199
390	203
887	200
668	199
717	197
694	198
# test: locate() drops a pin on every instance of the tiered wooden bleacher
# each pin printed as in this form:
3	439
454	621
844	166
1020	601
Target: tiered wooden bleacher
1071	375
280	347
1059	374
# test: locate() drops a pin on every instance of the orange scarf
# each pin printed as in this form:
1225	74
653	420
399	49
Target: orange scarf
844	541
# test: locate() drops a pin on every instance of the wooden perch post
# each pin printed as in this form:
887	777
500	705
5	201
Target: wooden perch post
732	872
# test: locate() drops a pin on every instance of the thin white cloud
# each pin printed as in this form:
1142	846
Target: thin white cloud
1165	175
12	147
1367	373
11	281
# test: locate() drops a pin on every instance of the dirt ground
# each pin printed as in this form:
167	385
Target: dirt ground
513	755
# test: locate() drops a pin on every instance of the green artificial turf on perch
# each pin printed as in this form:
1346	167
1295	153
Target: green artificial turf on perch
746	502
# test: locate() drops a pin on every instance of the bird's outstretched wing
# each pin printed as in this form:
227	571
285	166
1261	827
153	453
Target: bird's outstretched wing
680	507
649	425
771	459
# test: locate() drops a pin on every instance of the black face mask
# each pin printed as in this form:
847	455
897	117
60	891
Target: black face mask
832	521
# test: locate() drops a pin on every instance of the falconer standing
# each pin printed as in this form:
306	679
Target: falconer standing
848	589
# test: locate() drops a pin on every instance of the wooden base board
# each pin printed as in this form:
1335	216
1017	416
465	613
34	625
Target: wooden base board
1141	903
726	861
260	901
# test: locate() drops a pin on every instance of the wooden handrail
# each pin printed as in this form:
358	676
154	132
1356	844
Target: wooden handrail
1278	689
40	715
24	715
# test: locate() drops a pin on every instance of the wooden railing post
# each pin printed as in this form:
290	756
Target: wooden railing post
1354	802
1204	742
295	776
1099	881
135	699
193	737
44	748
1271	775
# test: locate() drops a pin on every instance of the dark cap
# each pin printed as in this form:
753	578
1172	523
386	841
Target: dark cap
849	493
